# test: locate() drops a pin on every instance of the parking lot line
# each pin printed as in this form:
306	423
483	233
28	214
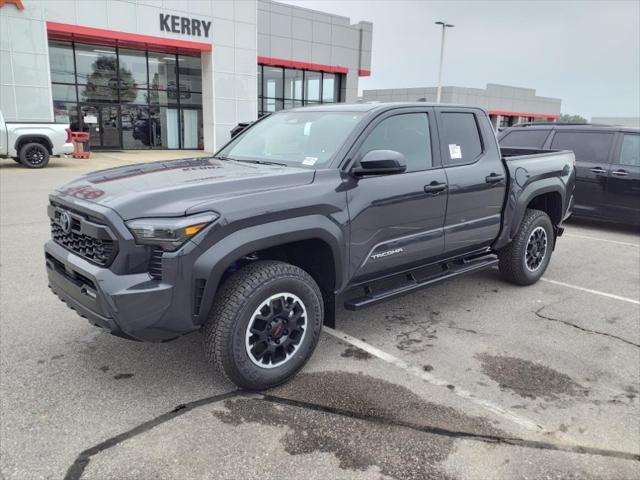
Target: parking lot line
589	237
427	377
595	292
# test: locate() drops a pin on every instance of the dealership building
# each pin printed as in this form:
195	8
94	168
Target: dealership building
506	105
172	74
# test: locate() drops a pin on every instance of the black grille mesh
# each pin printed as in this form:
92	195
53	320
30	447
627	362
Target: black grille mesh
93	249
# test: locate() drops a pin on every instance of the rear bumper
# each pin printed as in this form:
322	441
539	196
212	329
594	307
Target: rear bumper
66	149
133	306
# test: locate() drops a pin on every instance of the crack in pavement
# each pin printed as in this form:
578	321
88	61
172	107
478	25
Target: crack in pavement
570	324
76	470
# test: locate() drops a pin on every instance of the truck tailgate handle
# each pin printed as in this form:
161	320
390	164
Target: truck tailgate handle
435	187
598	170
494	178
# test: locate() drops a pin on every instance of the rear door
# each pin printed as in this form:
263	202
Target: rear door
593	151
622	195
397	220
476	178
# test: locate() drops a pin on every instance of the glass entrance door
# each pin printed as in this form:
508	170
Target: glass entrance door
103	124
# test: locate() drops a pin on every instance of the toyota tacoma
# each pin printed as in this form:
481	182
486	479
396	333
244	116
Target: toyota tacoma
253	245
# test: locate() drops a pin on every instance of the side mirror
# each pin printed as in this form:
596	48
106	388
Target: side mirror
380	162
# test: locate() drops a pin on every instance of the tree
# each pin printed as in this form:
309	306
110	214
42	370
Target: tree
103	82
566	118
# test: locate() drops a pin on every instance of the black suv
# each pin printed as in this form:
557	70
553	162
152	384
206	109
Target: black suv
607	165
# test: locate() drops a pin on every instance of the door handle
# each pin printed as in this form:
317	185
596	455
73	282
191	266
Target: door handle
621	173
598	170
434	188
494	178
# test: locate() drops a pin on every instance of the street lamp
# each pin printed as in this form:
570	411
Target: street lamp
444	27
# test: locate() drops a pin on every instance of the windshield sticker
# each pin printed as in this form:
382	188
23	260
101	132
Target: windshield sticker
309	160
455	152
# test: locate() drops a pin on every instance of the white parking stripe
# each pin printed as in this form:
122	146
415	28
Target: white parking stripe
427	377
595	292
588	237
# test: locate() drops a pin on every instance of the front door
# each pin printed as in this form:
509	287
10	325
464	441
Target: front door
622	196
397	220
592	150
103	124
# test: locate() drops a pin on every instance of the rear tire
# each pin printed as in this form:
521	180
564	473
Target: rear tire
526	258
34	155
264	325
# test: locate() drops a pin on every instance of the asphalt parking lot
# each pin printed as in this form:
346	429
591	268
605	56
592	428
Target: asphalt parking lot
471	379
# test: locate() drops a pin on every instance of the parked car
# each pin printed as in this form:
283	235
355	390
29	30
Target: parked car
253	246
31	144
607	165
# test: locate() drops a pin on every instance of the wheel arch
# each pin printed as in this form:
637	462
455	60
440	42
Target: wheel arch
30	138
313	244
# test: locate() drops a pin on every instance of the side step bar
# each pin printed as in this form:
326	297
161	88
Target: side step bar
449	270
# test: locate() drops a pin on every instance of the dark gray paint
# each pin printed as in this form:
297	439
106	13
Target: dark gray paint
262	206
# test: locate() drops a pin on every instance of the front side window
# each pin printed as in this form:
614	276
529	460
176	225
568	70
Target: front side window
408	134
461	138
587	146
296	138
630	152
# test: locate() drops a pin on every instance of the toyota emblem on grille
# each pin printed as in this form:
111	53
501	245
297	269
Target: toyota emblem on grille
65	222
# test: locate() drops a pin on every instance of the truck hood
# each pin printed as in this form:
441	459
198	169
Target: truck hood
170	188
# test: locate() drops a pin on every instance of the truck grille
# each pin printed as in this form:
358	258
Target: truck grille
99	249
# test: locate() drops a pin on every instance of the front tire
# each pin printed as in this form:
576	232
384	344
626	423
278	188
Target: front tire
526	258
34	155
264	325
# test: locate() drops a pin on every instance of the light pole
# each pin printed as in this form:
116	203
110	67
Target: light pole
444	27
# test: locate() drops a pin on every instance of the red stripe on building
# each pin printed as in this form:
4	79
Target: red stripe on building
278	62
63	31
364	73
517	114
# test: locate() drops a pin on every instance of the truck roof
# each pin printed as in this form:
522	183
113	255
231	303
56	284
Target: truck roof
376	106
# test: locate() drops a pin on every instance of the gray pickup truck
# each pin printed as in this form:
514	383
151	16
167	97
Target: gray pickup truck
32	144
254	245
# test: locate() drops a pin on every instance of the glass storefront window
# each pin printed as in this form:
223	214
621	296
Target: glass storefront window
330	88
61	62
191	128
128	98
133	67
64	92
66	112
292	84
162	71
190	72
312	86
286	88
272	77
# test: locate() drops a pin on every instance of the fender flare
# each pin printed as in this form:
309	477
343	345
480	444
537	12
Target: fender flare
517	202
215	261
28	136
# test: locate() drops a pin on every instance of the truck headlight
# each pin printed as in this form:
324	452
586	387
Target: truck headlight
169	233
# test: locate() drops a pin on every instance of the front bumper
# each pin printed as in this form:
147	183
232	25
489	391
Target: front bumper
134	306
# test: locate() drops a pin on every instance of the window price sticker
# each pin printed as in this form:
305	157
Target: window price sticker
455	152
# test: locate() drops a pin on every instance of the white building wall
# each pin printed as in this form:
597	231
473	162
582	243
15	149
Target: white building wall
228	72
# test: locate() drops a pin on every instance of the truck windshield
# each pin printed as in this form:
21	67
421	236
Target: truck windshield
295	138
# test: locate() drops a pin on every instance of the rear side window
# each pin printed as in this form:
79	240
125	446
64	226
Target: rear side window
630	152
408	134
525	138
461	138
587	146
